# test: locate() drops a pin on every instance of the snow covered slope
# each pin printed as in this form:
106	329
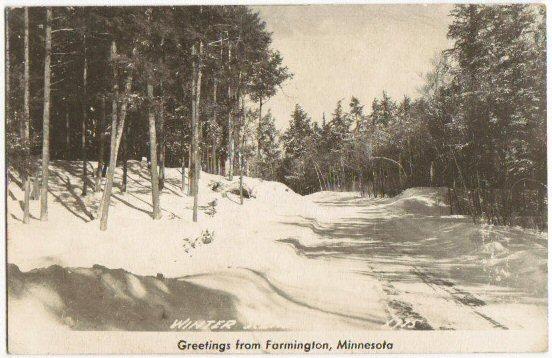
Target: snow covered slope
286	261
244	258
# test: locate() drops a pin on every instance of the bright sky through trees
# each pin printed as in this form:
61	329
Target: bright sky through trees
339	51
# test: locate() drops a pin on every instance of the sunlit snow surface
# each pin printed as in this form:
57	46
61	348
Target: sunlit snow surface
281	261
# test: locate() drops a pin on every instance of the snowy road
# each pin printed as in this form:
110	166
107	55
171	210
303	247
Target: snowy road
437	271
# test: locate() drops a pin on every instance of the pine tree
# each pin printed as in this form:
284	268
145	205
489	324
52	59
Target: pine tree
268	147
296	143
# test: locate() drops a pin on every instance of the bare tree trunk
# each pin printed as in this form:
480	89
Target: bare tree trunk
241	143
230	169
115	147
213	162
259	136
114	114
190	173
117	126
214	157
193	127
161	141
67	130
183	181
100	133
84	120
204	157
46	119
7	69
26	114
240	163
35	192
153	154
318	175
68	90
196	95
124	154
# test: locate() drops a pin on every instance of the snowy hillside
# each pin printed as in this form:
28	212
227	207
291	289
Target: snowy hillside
279	261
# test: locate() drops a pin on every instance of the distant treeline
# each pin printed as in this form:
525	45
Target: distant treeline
175	84
479	123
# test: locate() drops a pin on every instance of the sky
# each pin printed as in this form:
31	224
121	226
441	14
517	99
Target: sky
337	51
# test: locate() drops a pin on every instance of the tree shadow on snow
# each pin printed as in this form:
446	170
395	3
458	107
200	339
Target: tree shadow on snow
449	249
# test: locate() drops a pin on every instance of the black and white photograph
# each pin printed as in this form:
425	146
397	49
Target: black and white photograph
319	178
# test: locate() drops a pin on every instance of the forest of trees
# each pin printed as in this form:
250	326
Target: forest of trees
109	84
185	86
479	124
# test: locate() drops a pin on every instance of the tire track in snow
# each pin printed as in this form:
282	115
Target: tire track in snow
287	297
402	314
466	299
462	298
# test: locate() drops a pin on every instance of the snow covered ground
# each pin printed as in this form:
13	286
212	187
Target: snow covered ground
280	261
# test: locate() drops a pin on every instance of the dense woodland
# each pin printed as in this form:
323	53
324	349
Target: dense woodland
478	126
185	86
112	84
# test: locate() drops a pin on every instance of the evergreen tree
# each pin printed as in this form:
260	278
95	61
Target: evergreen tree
296	143
268	147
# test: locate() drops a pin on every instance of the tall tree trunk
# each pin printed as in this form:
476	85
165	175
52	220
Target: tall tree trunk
202	157
240	164
124	154
46	119
67	130
183	181
153	154
161	120
190	172
241	141
230	169
214	157
7	69
213	162
84	120
114	149
196	95
193	127
100	130
114	120
259	134
161	141
26	114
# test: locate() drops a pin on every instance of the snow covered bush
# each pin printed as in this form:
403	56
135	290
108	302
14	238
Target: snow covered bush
211	208
207	236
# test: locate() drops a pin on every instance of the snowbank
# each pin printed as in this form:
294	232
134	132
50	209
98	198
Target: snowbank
71	236
421	201
287	261
99	298
244	250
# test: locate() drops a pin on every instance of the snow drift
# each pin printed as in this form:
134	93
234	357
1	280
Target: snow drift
241	258
279	261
